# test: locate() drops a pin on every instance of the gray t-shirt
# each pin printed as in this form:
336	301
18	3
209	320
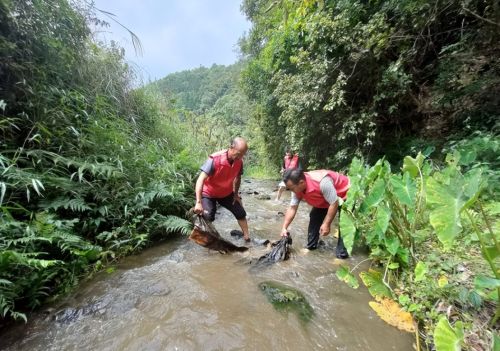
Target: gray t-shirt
327	190
209	168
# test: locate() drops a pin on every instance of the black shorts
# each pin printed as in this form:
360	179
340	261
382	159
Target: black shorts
209	207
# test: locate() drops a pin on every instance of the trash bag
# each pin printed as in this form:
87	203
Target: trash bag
205	234
279	252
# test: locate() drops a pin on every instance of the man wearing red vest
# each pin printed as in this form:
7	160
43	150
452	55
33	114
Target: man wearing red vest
219	181
323	190
291	160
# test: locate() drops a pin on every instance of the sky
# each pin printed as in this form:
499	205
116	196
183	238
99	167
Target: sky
176	35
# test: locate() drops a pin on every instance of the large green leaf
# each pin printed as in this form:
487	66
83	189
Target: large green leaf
373	281
347	277
447	202
490	252
474	183
393	244
413	165
382	221
376	194
348	229
484	282
447	338
420	271
496	342
404	189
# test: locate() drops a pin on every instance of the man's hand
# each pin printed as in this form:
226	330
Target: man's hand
284	232
324	230
198	208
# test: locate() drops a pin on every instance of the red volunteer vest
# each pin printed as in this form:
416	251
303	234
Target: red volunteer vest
313	194
220	184
292	162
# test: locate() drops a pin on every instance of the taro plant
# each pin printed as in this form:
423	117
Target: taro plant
387	211
402	216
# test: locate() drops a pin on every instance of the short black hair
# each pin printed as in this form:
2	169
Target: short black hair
294	175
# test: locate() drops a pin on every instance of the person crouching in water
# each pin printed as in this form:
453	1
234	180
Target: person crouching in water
219	182
290	161
323	190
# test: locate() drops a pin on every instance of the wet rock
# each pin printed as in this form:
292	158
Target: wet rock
236	233
285	298
176	256
71	314
263	197
256	241
155	289
263	242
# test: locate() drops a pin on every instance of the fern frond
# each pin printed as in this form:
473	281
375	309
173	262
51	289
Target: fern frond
174	224
75	204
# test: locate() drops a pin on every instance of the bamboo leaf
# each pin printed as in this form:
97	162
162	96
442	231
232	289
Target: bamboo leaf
3	189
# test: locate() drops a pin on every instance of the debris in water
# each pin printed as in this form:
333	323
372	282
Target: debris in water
205	234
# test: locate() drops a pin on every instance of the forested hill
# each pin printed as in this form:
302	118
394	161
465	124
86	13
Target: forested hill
199	89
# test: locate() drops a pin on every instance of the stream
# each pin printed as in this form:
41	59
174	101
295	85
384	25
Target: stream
181	296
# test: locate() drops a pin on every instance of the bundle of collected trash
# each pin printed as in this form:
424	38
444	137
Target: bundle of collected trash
205	234
279	252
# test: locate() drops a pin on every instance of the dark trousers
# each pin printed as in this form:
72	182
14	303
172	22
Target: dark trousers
210	206
316	218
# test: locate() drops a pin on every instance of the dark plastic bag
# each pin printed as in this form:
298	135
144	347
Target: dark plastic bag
205	234
279	252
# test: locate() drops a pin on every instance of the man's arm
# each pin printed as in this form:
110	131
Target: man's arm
330	194
330	215
198	208
236	188
289	216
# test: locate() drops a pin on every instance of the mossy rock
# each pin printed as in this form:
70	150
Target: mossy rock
285	298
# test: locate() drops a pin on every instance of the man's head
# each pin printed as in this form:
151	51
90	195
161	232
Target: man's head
237	149
295	180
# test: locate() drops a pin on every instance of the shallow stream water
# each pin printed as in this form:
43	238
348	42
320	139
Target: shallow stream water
181	296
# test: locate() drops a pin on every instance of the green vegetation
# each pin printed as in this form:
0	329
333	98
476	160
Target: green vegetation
433	233
90	169
337	79
352	80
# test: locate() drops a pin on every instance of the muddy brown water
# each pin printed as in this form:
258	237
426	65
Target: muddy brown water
181	296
